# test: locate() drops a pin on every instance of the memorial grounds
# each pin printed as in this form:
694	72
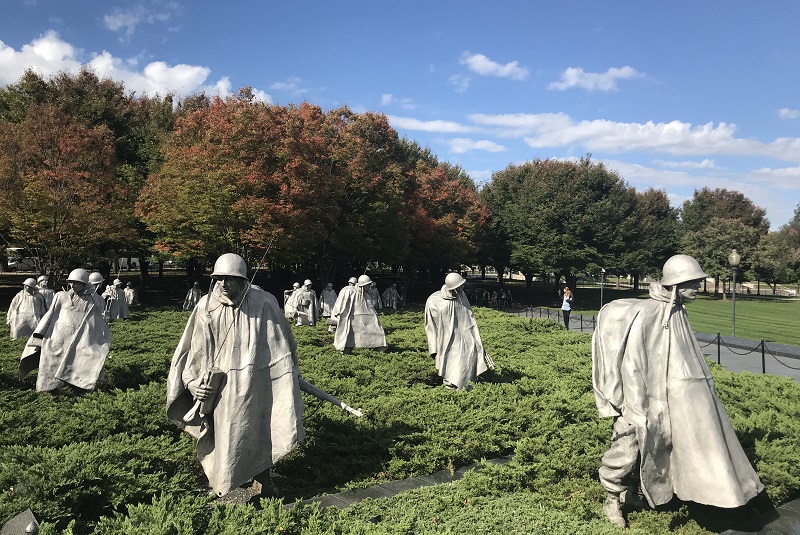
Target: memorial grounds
109	461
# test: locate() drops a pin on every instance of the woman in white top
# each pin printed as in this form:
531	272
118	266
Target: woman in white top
566	306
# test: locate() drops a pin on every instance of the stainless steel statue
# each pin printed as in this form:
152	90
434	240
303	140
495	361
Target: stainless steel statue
650	375
237	358
453	338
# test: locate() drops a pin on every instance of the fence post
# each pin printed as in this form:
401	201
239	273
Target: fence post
594	324
581	322
763	360
718	356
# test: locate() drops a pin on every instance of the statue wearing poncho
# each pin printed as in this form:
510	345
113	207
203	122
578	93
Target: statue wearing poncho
453	337
258	409
650	375
358	323
71	342
25	311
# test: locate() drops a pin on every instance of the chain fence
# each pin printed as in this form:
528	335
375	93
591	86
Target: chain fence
581	322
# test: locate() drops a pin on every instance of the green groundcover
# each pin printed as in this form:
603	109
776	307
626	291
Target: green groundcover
109	461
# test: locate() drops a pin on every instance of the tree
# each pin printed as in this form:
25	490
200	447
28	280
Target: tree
711	245
707	204
58	190
562	217
655	235
772	260
726	216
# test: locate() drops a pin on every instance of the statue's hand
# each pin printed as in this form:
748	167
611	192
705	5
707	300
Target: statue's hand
200	391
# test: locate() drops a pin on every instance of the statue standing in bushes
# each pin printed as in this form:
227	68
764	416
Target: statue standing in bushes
116	305
357	320
391	297
289	309
42	283
192	296
651	376
453	338
71	343
327	300
26	309
305	304
234	381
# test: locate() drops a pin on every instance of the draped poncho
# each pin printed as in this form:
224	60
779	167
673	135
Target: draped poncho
358	323
453	337
257	416
71	343
24	313
326	301
657	378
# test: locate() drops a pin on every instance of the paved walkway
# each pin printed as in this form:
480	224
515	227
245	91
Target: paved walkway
735	354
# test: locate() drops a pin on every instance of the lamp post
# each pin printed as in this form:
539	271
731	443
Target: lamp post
602	272
733	260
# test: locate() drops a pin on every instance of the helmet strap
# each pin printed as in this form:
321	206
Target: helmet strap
668	312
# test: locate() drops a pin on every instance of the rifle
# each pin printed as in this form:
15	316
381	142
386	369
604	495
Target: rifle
316	391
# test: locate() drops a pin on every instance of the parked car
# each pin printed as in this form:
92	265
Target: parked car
20	259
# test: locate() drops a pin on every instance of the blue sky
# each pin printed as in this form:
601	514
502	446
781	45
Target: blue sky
672	95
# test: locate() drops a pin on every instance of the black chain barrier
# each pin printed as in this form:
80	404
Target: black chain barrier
556	314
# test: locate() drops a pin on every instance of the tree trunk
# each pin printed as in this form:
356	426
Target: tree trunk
528	285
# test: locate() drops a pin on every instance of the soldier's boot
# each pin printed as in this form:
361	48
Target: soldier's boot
263	485
633	499
613	510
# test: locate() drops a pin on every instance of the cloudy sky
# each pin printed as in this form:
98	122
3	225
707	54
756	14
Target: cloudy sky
676	96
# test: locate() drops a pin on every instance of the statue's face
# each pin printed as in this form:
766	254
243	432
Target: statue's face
29	289
688	290
231	287
77	287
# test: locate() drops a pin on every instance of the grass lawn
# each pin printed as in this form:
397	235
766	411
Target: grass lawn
773	319
109	462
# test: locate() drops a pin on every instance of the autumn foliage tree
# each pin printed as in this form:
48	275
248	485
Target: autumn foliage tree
58	190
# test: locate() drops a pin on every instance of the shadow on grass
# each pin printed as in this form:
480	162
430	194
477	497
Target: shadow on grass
336	452
751	517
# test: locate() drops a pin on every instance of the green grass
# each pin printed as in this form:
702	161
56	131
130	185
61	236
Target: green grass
773	319
109	462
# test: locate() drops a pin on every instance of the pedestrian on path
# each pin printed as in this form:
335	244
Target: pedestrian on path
566	305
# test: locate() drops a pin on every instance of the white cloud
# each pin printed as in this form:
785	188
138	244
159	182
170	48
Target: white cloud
705	164
388	99
786	113
484	66
441	127
261	96
460	81
480	176
677	138
591	81
49	54
128	19
460	145
293	85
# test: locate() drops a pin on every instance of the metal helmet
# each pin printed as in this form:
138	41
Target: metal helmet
95	277
453	281
117	282
307	282
41	278
352	280
78	275
329	285
296	285
29	282
681	268
230	265
364	280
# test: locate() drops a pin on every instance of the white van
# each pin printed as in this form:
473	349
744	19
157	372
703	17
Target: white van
20	259
123	264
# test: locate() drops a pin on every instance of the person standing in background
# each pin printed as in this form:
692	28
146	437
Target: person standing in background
566	305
